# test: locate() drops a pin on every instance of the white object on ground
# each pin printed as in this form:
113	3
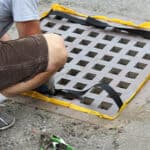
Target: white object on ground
2	98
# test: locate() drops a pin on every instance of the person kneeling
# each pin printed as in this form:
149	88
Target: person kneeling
27	63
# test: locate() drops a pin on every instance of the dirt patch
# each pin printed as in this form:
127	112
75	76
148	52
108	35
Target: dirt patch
31	122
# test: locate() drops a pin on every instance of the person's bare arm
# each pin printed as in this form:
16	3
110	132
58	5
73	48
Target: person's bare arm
26	86
28	28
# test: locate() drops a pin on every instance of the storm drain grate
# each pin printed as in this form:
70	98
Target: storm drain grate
98	55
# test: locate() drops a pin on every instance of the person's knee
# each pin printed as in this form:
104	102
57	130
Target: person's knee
57	51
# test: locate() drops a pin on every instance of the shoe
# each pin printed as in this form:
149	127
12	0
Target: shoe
6	120
47	88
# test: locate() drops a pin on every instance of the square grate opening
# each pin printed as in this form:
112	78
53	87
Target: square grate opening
106	80
79	86
124	41
116	49
91	54
107	58
50	24
76	50
73	72
132	53
132	75
115	71
89	76
140	65
140	44
64	28
105	105
93	34
82	63
63	81
108	37
78	31
100	45
98	67
96	90
85	42
123	85
146	56
70	39
123	61
69	59
87	100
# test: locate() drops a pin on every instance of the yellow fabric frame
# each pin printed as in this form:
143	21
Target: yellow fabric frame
33	94
57	7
